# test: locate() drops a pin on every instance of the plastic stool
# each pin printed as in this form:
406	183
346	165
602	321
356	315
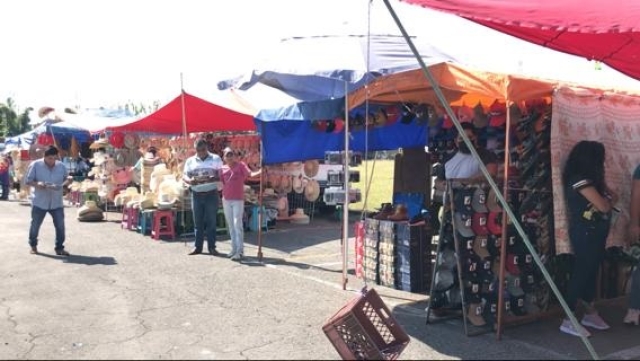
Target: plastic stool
74	198
145	221
132	218
221	223
158	229
126	216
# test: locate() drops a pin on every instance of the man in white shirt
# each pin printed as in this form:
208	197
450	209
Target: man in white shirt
463	165
202	174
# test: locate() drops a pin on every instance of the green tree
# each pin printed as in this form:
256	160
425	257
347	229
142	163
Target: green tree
8	118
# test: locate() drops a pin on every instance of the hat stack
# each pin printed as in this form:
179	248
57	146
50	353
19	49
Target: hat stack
90	212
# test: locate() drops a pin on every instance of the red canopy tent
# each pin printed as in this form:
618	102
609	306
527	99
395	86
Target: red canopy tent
200	116
599	30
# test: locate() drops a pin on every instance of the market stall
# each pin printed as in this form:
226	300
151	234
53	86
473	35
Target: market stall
520	134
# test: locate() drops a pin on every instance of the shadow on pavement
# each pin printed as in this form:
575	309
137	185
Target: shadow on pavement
86	260
254	262
289	238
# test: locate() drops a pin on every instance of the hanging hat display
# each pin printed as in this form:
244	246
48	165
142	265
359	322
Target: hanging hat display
45	139
312	190
116	139
90	212
131	141
311	168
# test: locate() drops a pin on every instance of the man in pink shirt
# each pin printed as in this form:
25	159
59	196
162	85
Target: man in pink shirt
234	175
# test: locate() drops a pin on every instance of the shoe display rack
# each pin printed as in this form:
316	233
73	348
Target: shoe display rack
398	255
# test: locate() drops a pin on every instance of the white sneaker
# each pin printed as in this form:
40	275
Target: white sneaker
567	327
231	254
594	320
236	257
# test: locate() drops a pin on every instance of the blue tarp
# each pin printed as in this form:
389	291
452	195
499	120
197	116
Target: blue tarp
331	66
297	140
62	131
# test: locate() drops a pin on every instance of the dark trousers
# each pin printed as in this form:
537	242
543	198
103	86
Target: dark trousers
589	250
205	212
37	217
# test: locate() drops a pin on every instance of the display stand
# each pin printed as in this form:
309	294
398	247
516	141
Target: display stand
460	271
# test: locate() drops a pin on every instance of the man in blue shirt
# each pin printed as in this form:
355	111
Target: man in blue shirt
48	176
202	174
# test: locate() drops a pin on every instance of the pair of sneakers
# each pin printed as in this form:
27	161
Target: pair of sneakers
590	320
234	256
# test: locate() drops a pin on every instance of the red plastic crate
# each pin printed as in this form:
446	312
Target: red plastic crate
365	329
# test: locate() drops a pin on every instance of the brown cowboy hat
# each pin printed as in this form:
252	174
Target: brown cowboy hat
312	191
311	168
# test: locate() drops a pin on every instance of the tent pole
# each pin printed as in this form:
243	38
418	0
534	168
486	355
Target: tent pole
185	141
345	206
503	242
489	179
260	199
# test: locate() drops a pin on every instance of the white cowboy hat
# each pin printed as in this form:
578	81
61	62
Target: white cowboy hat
299	217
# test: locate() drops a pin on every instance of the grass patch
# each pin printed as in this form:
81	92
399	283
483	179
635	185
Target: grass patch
381	188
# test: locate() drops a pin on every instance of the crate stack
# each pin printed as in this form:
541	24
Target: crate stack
413	251
387	254
371	251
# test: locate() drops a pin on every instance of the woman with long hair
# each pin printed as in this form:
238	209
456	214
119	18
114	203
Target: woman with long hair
234	174
589	206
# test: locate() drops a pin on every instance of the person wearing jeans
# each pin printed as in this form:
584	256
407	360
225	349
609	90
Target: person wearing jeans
589	206
202	174
48	176
633	312
234	175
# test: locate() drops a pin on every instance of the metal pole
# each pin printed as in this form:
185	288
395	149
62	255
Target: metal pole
260	200
505	219
185	144
492	183
345	206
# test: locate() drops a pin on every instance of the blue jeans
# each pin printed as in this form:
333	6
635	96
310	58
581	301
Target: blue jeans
233	213
205	211
37	217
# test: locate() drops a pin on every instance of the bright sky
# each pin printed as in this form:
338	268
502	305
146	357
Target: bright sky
92	53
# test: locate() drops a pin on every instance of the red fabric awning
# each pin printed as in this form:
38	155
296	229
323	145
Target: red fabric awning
201	116
606	31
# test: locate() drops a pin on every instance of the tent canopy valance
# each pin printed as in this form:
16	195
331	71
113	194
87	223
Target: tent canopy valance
460	85
201	116
595	29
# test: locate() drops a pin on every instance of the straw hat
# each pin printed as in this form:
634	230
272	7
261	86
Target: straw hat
312	191
299	217
94	172
148	201
269	192
120	158
159	171
311	168
90	212
274	180
298	187
100	143
131	141
166	201
287	184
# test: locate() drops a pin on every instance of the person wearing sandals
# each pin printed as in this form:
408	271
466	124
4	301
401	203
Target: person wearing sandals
234	175
589	206
633	313
48	176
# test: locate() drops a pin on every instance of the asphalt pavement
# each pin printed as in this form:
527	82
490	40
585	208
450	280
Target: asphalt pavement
122	295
